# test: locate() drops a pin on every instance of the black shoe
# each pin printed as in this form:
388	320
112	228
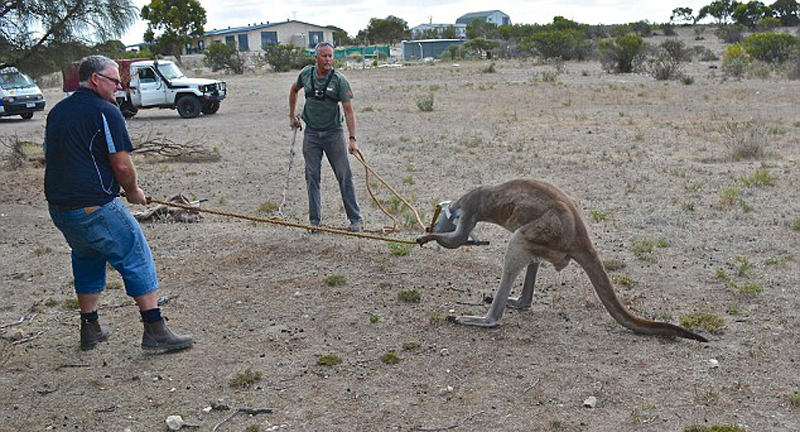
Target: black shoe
157	336
92	333
357	226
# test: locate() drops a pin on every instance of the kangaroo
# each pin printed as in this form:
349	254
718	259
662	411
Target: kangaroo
546	224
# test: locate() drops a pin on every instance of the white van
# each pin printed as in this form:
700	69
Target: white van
19	94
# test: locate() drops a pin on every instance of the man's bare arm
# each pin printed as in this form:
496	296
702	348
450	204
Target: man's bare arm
125	174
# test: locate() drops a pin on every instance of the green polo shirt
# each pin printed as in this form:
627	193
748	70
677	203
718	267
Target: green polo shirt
323	114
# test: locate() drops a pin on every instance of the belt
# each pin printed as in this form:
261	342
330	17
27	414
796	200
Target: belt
61	207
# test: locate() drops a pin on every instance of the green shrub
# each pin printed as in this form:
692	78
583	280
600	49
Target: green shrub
284	58
676	50
220	56
245	378
770	47
567	44
329	360
453	52
735	61
409	296
425	102
768	24
391	358
335	279
399	249
731	34
709	322
622	54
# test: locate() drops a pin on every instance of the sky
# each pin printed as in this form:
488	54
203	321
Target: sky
353	16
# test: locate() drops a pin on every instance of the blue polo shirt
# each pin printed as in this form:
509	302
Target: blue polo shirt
82	131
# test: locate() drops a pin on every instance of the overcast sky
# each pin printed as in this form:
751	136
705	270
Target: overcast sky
353	16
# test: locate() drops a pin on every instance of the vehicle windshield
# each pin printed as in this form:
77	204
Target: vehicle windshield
15	80
170	71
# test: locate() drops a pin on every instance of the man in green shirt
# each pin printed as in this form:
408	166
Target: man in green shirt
324	89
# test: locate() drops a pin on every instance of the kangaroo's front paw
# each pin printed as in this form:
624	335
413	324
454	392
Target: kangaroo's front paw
421	240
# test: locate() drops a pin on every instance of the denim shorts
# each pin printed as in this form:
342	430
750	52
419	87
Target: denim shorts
107	234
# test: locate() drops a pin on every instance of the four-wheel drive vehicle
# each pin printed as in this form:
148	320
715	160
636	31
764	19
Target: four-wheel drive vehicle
19	95
158	84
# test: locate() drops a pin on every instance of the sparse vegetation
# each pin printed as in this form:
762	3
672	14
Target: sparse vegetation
436	317
245	378
329	360
622	280
705	321
399	249
760	178
614	264
335	279
746	140
425	102
391	358
598	215
409	296
410	346
267	207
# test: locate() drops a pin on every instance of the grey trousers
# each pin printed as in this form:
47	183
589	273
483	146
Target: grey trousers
332	143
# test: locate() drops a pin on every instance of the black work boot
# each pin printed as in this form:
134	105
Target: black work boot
157	336
92	333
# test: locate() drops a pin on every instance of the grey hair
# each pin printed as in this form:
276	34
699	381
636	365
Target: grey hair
93	64
320	45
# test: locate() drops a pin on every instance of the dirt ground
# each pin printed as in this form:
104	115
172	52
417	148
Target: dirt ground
647	160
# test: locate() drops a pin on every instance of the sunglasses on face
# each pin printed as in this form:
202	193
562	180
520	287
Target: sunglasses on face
114	80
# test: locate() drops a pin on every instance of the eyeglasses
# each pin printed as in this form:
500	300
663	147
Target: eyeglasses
114	80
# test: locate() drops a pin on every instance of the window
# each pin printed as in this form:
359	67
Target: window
314	38
269	38
147	75
230	40
244	45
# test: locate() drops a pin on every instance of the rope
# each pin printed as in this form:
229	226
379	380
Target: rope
288	172
369	170
280	222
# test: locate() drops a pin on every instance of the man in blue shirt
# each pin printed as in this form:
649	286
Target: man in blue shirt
87	152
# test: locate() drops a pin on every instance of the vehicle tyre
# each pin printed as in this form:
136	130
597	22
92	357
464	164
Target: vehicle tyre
189	106
210	107
27	116
128	110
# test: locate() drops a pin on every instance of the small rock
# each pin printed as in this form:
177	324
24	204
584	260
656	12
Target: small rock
444	352
16	335
207	409
174	422
590	402
713	363
445	391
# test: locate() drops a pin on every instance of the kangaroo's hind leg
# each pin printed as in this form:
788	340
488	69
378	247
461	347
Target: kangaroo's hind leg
525	298
517	257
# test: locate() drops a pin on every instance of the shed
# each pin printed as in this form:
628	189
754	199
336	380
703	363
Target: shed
419	49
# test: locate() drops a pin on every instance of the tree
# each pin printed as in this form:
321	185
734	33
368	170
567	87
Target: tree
389	30
479	28
751	13
480	46
788	11
683	14
179	20
27	27
721	10
222	56
340	37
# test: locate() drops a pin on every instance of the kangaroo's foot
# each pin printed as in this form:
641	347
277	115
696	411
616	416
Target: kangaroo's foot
476	321
519	303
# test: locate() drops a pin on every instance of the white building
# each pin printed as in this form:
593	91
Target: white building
254	36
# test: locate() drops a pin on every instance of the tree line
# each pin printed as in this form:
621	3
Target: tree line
40	35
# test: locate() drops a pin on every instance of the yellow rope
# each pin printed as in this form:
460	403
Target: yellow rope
280	222
369	169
